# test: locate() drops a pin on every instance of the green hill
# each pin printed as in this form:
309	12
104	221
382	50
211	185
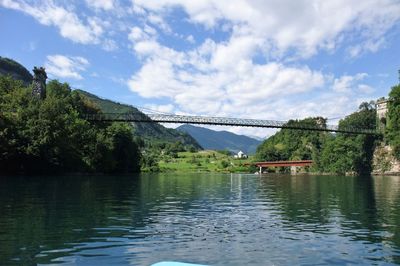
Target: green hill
148	131
15	70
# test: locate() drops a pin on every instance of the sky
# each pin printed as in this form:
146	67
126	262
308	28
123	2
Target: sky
261	59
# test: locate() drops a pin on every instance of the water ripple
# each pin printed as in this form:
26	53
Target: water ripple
208	219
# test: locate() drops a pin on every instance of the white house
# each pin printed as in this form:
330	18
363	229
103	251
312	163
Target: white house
240	155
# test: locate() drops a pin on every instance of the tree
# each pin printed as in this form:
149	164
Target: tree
351	153
393	122
125	151
51	135
294	144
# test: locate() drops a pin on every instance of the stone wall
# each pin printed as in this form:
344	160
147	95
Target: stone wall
381	111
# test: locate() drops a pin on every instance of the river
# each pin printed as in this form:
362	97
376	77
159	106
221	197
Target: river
214	219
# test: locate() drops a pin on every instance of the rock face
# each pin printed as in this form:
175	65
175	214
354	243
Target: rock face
384	162
39	82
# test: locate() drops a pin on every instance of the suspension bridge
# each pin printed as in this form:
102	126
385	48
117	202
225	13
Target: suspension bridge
224	121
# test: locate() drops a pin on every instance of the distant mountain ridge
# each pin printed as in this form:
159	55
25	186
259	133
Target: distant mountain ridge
149	131
221	140
15	70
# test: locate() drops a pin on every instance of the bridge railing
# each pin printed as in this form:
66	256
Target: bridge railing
223	121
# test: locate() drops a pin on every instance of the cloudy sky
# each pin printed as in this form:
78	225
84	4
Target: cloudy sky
266	59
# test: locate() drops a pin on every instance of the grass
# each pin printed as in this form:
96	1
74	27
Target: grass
203	161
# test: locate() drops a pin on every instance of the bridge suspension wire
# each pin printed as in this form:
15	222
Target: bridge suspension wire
150	111
222	121
334	118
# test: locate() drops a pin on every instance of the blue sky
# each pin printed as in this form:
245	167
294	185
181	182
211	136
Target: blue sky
253	59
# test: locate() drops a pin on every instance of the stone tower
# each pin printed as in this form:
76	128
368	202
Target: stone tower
381	112
39	82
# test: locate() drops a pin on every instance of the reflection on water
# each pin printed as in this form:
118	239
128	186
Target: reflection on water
209	219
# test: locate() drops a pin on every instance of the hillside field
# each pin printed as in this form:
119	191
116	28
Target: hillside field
204	161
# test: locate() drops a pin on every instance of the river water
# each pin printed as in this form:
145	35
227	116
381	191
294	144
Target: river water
214	219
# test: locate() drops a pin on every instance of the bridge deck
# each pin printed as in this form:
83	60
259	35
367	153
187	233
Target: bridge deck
283	163
223	121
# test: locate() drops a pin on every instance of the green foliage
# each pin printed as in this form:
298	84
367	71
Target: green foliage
152	133
347	153
365	117
204	161
224	152
224	164
51	136
340	155
333	153
150	163
393	122
291	144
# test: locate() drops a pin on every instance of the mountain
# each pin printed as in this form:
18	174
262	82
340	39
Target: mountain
221	140
257	137
148	131
15	69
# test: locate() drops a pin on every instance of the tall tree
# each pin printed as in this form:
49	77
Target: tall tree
393	121
351	153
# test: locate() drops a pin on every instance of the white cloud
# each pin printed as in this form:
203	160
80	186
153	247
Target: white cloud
190	39
101	4
368	46
66	66
109	45
207	80
347	83
304	25
138	34
363	88
162	108
159	22
68	23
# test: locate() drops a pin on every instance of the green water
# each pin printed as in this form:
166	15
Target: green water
200	218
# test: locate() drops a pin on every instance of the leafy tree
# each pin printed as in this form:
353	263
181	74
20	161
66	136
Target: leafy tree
365	117
150	163
51	135
341	154
393	123
292	144
351	153
125	151
224	164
